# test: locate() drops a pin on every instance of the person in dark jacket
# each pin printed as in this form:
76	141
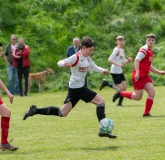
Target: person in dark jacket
22	63
12	71
74	48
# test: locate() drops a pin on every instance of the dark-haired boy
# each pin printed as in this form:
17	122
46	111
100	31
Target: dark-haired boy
140	76
78	64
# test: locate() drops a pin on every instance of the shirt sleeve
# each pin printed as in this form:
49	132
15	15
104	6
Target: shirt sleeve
114	54
70	60
94	67
140	56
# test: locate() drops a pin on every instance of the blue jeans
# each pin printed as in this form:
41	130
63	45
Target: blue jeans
12	76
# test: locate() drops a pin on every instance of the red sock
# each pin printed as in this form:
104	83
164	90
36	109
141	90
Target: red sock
5	127
126	94
149	102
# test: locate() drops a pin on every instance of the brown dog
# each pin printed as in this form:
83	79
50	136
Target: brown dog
39	77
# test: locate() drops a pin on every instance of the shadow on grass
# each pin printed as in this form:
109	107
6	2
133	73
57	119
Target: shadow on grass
113	148
157	116
124	106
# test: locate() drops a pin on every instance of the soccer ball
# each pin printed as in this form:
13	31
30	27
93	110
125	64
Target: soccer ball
106	125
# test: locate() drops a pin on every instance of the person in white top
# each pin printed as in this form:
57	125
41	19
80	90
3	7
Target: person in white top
118	60
79	64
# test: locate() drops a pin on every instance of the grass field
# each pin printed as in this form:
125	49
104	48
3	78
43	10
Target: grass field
75	136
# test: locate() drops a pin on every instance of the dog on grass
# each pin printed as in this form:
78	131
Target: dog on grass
39	77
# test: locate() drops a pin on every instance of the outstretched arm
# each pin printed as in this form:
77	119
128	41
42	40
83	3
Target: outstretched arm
154	70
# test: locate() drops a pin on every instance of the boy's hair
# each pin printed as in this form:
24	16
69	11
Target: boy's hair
1	44
119	38
150	36
87	42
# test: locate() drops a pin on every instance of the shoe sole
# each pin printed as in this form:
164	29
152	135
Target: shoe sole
111	137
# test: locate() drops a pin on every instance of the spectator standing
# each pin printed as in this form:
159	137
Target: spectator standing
74	48
22	63
12	71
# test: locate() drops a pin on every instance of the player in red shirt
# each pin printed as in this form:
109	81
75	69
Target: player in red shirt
140	76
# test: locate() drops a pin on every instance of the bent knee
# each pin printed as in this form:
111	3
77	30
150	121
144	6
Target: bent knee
138	98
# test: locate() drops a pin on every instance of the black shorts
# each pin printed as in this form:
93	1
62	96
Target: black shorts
118	78
83	93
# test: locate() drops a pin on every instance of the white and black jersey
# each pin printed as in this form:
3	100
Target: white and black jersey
79	67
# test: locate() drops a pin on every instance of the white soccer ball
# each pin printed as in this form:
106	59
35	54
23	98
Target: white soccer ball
106	125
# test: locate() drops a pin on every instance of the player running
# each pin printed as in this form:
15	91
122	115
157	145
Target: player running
79	64
140	76
118	61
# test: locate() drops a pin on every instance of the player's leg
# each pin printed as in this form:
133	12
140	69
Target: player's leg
120	82
100	111
138	90
122	87
69	103
50	110
106	83
149	88
5	120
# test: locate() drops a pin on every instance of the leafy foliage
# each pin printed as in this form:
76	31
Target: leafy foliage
48	27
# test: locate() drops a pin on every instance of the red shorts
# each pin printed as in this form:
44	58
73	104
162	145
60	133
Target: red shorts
1	102
138	85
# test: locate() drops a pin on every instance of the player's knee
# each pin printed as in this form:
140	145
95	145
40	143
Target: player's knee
7	113
101	101
64	114
138	98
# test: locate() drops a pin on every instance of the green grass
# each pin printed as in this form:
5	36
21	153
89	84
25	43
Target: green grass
75	136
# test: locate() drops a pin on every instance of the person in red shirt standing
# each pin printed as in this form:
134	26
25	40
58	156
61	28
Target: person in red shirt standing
22	63
140	76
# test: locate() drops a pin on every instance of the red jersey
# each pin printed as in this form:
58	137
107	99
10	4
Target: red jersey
145	63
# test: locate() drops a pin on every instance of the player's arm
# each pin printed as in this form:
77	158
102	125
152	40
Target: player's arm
138	58
154	70
96	68
3	87
112	57
68	62
127	60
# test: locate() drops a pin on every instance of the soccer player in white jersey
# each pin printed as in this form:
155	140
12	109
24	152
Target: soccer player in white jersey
79	64
118	61
140	76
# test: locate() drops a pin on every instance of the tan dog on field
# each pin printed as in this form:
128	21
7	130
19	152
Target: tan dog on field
39	77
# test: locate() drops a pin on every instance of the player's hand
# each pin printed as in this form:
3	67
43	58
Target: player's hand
121	65
11	97
129	59
105	71
66	65
136	77
162	73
